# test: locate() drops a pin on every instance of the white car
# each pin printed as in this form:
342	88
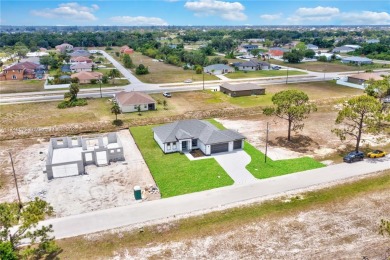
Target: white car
188	81
167	94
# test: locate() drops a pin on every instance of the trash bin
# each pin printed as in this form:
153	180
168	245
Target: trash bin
137	193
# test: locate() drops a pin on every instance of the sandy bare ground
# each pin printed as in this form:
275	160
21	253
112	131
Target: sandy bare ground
102	187
342	230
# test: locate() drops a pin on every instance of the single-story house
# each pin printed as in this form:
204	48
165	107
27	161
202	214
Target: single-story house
186	135
253	65
77	67
64	47
78	53
361	78
80	59
242	89
372	41
65	68
250	47
129	101
356	60
277	52
342	49
353	46
312	47
328	56
36	54
128	51
65	78
123	48
218	69
85	77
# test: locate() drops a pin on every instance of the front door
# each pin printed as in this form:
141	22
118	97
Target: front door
184	145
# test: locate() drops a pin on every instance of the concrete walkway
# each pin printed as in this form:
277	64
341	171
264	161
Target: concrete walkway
212	199
234	164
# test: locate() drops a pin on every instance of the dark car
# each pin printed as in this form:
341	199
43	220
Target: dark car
354	156
167	94
276	67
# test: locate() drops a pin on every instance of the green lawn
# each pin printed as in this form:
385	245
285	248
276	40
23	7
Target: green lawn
262	170
262	73
174	173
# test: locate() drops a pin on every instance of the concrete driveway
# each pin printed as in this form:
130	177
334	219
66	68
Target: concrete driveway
234	164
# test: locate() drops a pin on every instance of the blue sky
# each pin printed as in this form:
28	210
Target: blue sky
195	12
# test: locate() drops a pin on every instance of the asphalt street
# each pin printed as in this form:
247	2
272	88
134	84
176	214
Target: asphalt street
138	214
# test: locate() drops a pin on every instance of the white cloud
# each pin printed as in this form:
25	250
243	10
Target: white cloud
139	21
69	11
232	11
271	17
365	18
317	11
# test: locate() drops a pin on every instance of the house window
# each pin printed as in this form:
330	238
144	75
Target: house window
168	146
135	107
194	142
174	146
145	106
14	77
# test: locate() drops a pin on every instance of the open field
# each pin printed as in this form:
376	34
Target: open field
328	66
262	73
189	176
327	224
17	86
159	72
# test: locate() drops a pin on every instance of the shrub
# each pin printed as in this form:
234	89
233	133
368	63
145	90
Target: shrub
141	70
72	103
94	81
108	48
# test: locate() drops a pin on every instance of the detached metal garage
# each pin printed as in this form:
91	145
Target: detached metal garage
219	148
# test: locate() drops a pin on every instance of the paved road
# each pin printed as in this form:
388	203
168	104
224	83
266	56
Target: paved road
137	214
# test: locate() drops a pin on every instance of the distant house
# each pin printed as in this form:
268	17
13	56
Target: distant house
129	101
342	49
256	40
328	56
362	78
312	47
353	46
123	48
172	46
85	77
356	60
79	53
22	70
65	68
126	50
64	47
372	41
37	54
186	135
78	67
253	65
80	59
242	89
218	69
250	47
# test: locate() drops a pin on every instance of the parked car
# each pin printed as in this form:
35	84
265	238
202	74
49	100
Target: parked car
376	154
336	78
167	94
276	67
354	156
188	81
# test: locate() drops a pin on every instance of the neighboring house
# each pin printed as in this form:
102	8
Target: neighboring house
253	65
80	59
241	50
65	78
356	60
242	89
64	47
186	135
361	78
65	68
353	46
37	54
327	55
123	48
85	77
372	41
256	40
129	101
128	51
312	47
77	67
79	53
218	69
250	47
172	46
22	70
342	49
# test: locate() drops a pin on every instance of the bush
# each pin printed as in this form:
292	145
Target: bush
108	48
141	70
74	103
94	81
117	122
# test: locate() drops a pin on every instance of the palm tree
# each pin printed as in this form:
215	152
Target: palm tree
115	109
113	74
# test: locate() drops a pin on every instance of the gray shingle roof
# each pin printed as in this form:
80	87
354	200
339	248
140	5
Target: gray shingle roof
206	132
357	59
217	67
241	86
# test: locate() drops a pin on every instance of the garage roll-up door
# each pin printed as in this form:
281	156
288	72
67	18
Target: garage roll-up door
219	148
237	144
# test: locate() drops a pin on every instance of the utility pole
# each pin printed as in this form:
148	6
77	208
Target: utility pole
16	182
203	77
266	145
100	84
287	75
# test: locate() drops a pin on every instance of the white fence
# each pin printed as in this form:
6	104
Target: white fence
58	86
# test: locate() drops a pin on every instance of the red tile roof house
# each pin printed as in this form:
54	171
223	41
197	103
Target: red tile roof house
128	51
85	77
20	71
276	53
77	67
129	101
80	59
123	48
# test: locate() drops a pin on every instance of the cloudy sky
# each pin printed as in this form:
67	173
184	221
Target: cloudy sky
195	12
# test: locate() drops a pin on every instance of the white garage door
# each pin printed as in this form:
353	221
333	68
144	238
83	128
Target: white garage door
65	170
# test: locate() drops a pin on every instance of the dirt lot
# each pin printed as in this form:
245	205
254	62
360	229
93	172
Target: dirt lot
16	86
102	187
339	230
